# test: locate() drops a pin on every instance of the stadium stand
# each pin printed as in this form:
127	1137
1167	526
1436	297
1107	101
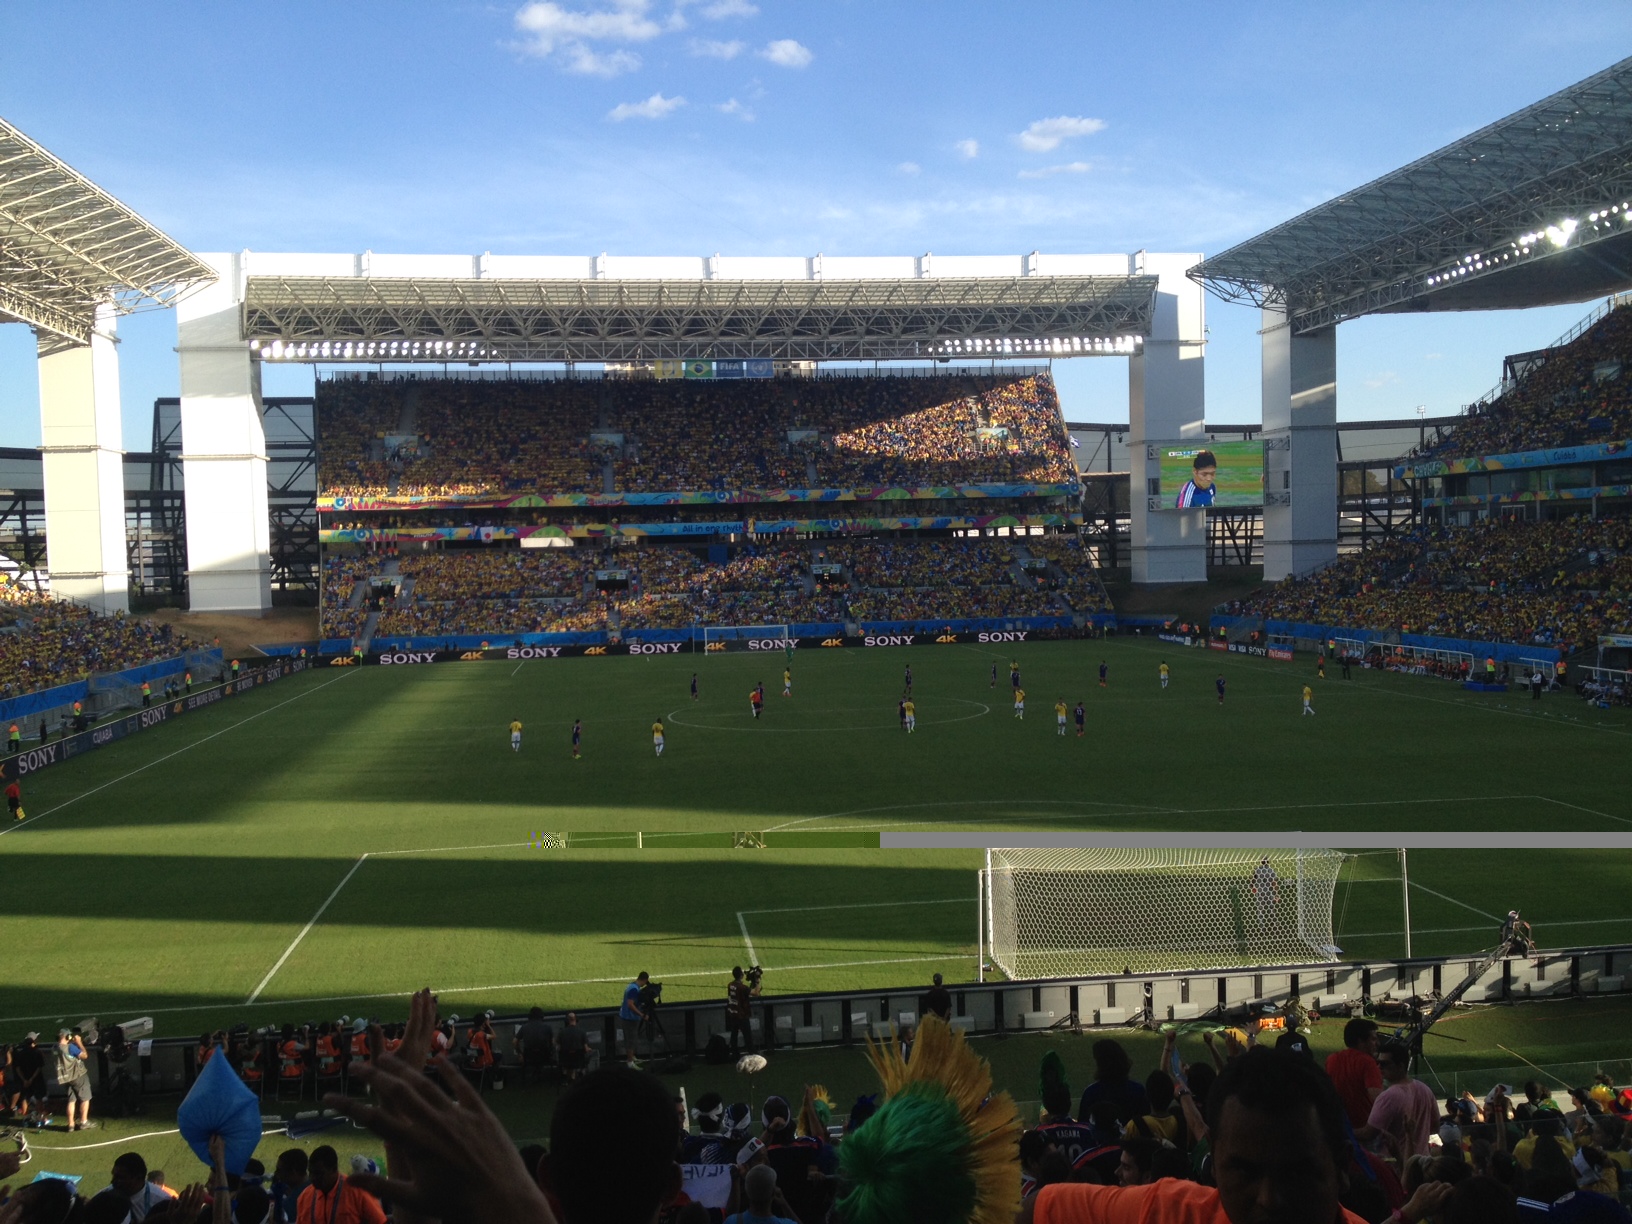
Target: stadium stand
1580	391
47	642
1382	1143
1558	583
479	438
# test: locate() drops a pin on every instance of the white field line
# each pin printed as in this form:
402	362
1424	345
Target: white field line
811	909
1280	807
295	943
519	666
1444	897
451	849
1574	922
1579	808
753	957
32	820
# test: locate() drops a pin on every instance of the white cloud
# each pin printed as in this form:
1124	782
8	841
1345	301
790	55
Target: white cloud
909	167
1378	381
715	49
1047	134
589	62
733	107
722	9
1077	167
564	35
787	53
969	148
655	107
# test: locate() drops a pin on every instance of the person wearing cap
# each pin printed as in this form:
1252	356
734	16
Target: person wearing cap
28	1064
73	1076
764	1199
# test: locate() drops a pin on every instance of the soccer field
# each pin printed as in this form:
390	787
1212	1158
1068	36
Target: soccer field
349	834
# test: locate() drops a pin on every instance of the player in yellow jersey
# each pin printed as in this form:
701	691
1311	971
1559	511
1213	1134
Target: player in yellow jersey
787	682
657	736
515	736
1308	696
1163	670
1059	716
911	709
1020	703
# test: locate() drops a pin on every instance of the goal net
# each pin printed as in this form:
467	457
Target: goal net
744	637
1071	913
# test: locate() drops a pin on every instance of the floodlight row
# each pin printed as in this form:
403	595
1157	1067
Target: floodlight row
1557	236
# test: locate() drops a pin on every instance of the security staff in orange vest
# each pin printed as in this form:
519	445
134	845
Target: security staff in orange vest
187	680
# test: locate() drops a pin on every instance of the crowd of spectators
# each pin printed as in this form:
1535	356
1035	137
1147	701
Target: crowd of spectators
1226	1128
1581	392
341	574
46	642
1082	587
491	439
1558	583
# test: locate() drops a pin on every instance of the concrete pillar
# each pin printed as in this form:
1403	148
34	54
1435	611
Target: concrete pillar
1300	447
223	450
1167	402
83	459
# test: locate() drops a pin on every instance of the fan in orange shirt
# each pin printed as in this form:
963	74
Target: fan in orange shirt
1279	1153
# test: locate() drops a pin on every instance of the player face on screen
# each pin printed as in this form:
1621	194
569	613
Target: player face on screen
1204	471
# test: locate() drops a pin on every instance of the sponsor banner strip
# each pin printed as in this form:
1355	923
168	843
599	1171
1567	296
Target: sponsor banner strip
419	658
32	760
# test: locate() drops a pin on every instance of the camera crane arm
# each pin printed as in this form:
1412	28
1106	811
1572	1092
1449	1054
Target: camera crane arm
1515	941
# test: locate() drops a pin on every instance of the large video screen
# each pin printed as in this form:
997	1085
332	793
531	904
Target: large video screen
1197	474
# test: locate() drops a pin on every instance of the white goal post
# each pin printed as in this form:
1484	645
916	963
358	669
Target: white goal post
718	638
1082	912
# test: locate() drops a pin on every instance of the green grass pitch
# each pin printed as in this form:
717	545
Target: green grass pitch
326	844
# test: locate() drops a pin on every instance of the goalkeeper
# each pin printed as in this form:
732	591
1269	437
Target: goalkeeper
1266	891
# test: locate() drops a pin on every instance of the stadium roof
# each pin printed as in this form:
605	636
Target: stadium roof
67	247
1535	209
437	319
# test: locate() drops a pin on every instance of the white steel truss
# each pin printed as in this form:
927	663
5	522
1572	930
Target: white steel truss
1550	184
373	319
67	247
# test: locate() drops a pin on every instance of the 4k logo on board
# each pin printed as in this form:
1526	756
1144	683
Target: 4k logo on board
832	641
596	650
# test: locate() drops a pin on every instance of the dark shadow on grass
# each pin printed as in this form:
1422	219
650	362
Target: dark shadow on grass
554	895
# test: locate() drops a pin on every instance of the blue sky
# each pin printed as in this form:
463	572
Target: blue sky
755	127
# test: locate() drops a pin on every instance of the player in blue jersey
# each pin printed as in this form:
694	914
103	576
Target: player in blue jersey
1219	683
1199	490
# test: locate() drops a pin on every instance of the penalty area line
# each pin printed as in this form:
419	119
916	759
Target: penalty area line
33	820
304	931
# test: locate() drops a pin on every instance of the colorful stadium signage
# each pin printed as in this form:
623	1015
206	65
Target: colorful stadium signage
1555	457
32	760
691	497
702	367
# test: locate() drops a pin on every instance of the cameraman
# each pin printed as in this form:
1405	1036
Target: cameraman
739	997
631	1012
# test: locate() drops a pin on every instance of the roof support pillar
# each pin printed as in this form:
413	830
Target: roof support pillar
223	451
1300	447
1166	402
83	461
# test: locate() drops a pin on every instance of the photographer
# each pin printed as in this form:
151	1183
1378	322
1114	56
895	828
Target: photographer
631	1012
739	997
73	1077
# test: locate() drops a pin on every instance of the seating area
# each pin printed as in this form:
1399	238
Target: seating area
50	642
1559	583
1581	393
1082	588
493	438
493	591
